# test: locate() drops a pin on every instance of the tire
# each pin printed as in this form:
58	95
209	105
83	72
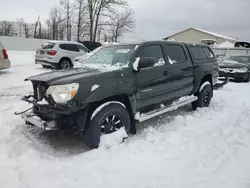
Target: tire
204	97
95	127
65	64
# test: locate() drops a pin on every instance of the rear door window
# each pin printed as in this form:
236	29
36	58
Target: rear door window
69	47
198	53
175	53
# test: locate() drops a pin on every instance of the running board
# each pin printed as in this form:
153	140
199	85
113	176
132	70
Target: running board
157	112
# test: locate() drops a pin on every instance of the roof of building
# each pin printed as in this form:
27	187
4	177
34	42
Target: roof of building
207	32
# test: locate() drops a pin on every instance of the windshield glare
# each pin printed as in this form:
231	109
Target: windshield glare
240	59
112	56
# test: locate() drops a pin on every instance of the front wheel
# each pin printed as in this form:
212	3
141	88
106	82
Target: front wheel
204	97
106	119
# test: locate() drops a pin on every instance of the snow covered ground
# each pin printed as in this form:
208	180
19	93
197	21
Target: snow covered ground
207	148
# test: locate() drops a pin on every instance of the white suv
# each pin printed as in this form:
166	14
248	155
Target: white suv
59	54
4	59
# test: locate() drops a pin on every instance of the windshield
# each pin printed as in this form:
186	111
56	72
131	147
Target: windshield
240	59
111	56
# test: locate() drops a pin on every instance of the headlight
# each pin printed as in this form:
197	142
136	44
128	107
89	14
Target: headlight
242	70
63	93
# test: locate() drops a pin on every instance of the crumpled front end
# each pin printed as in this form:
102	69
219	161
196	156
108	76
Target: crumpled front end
45	112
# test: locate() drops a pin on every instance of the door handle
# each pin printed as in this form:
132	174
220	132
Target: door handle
165	73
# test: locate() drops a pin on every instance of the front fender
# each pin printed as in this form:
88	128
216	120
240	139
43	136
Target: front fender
106	91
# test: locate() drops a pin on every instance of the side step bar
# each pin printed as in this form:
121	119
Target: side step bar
180	102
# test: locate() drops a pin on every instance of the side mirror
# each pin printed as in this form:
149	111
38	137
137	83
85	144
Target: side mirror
146	62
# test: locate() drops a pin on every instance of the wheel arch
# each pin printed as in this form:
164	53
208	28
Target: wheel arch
205	78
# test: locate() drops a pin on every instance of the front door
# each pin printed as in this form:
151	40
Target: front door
151	81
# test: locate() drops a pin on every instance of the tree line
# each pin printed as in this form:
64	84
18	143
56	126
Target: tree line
93	20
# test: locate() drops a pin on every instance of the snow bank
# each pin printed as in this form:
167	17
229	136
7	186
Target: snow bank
226	45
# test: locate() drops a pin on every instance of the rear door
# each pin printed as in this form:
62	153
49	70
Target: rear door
180	70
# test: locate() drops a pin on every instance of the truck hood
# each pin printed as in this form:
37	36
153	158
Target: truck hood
232	64
63	76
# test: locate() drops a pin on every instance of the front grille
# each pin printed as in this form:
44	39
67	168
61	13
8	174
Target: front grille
39	90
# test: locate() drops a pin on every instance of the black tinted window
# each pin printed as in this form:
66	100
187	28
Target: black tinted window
209	53
153	51
69	47
175	53
198	53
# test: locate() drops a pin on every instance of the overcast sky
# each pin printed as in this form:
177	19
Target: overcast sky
156	19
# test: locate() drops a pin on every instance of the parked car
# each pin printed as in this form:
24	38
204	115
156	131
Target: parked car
90	45
4	59
242	44
236	67
120	85
59	54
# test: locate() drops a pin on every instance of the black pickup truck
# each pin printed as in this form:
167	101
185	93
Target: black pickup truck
119	85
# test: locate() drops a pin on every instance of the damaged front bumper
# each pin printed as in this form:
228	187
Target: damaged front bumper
31	119
47	117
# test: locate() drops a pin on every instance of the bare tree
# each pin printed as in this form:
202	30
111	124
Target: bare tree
20	22
36	25
54	21
6	28
69	9
98	8
26	30
39	30
81	15
120	23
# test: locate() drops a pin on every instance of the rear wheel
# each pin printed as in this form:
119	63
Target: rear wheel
106	119
204	97
65	64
